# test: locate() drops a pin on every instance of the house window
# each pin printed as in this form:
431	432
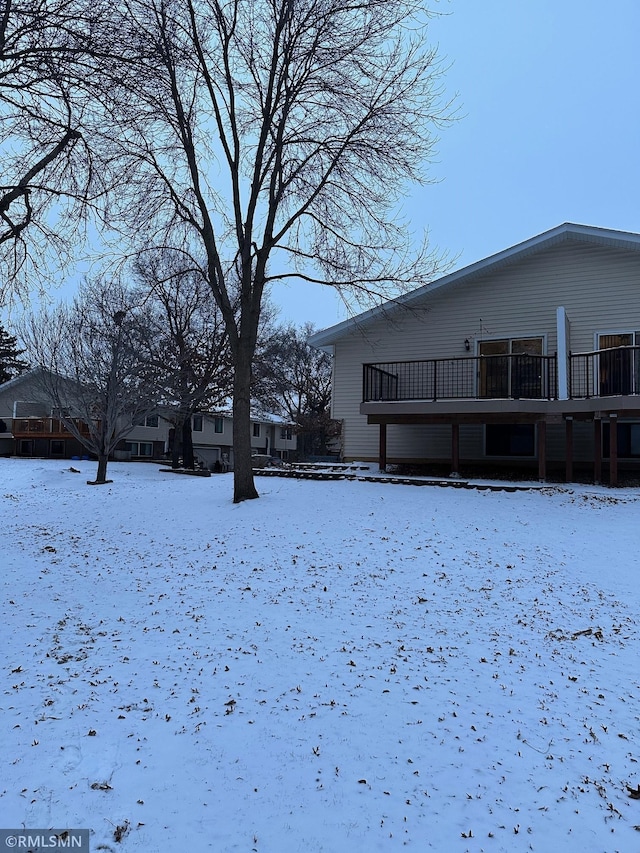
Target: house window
256	430
628	440
511	368
196	423
286	433
139	448
57	447
510	440
619	365
218	425
151	421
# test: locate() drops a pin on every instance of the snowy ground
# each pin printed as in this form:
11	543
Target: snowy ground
339	666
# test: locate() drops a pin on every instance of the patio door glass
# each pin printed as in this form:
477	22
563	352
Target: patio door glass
510	368
526	368
618	364
494	369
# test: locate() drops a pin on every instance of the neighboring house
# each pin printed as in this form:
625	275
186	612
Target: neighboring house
29	427
530	357
28	422
212	435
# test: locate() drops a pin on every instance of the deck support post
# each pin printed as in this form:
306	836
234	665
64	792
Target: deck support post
597	451
542	451
568	452
613	449
382	452
455	450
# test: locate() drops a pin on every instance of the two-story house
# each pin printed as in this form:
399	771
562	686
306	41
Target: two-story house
30	427
528	358
212	436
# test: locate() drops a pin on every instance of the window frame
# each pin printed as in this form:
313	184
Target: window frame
503	375
59	454
606	362
129	445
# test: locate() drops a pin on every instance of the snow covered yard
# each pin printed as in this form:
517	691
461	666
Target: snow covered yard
339	666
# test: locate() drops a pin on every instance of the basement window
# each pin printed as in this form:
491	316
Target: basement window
510	440
628	440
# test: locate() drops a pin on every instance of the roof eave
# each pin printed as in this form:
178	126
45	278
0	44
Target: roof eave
568	230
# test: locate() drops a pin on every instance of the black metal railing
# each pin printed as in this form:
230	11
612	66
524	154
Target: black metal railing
472	377
605	373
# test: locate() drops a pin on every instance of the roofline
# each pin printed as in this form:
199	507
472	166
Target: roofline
20	378
566	231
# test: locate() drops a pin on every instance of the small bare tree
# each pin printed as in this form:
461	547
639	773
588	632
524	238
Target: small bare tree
294	380
94	366
278	136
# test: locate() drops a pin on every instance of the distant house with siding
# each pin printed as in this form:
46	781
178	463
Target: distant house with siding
29	424
30	427
212	435
529	358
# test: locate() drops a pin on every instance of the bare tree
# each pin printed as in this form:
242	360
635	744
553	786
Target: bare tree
294	380
278	136
94	366
46	177
190	346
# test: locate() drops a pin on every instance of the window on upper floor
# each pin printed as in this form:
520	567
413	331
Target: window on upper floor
218	425
197	423
286	433
256	430
151	421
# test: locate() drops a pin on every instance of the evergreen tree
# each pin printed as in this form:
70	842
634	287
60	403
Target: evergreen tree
11	364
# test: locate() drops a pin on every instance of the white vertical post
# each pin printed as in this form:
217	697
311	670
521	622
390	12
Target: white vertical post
564	347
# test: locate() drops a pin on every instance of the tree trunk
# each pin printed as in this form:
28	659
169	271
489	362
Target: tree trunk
101	476
188	458
176	446
243	485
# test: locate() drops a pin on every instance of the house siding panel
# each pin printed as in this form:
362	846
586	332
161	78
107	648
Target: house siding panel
598	287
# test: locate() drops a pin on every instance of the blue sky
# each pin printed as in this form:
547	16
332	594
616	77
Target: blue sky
549	130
